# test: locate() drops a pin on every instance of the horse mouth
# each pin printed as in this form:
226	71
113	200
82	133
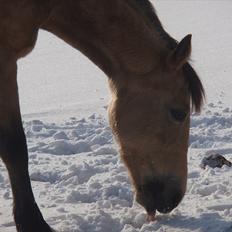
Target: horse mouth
151	217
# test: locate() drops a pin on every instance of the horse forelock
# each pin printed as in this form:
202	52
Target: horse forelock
195	86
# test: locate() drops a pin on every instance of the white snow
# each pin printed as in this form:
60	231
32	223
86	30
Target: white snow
79	181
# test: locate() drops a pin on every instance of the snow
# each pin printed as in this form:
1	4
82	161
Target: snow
79	181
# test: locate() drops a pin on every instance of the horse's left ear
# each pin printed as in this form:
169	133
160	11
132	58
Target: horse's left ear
181	53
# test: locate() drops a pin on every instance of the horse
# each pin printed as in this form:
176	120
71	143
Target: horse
153	86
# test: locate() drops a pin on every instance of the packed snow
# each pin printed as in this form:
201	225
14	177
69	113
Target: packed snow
79	181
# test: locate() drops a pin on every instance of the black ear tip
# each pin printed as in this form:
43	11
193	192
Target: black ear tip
186	41
188	37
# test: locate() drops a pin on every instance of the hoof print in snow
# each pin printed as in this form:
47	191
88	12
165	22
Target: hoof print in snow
215	161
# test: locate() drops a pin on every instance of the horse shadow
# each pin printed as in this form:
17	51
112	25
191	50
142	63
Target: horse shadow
212	222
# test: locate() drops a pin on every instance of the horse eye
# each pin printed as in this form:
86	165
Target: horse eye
178	115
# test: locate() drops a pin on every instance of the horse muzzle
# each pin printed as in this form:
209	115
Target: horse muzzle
162	194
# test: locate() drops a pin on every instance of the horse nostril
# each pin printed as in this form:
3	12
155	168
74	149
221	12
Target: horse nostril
170	201
177	197
149	193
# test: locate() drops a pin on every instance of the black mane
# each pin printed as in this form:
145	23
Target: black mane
195	86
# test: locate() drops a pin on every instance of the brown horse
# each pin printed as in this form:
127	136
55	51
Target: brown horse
153	89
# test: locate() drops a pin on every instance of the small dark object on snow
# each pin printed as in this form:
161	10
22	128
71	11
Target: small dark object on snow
215	161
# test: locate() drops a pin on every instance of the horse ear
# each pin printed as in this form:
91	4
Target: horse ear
181	53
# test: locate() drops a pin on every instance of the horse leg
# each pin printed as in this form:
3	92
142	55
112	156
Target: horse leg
13	149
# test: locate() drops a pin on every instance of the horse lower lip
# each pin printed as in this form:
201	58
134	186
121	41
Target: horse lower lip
151	216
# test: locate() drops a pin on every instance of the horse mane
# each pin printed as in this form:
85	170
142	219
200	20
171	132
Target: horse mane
195	86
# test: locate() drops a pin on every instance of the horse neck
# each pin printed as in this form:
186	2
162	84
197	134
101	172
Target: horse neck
110	33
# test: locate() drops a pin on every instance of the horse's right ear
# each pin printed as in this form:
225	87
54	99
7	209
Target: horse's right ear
180	55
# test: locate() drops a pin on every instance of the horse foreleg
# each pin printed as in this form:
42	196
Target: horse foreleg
13	149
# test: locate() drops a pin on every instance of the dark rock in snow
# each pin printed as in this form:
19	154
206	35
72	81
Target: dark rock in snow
215	161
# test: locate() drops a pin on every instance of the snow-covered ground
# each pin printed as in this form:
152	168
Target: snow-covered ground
78	179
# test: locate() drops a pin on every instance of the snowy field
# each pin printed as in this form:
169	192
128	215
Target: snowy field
78	179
